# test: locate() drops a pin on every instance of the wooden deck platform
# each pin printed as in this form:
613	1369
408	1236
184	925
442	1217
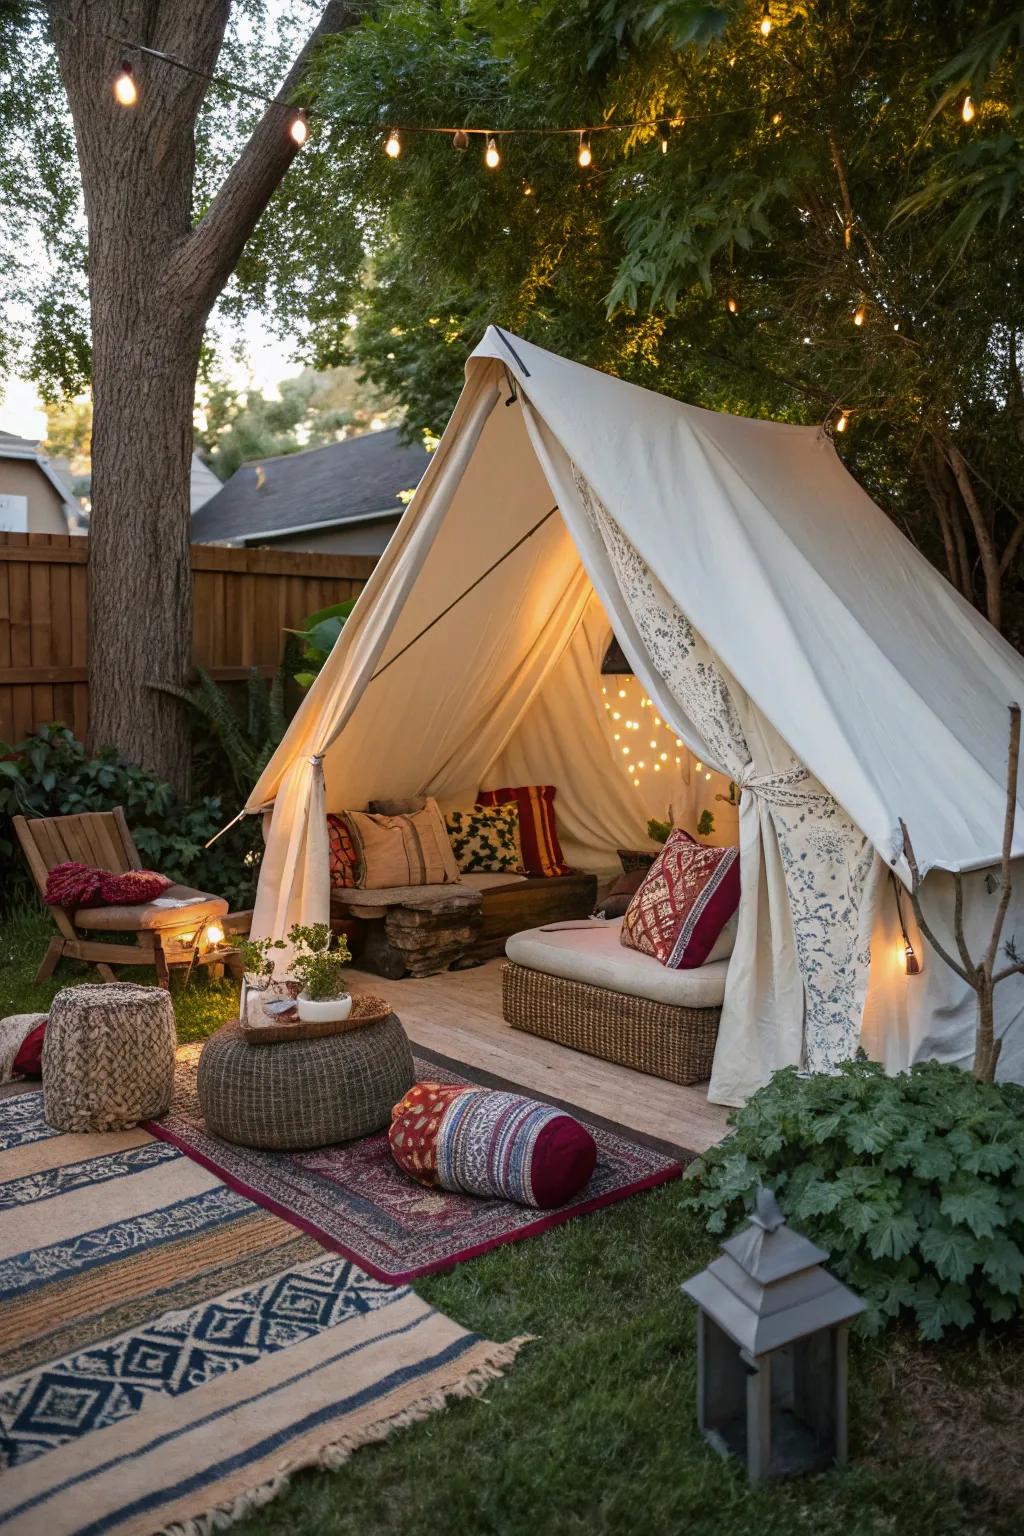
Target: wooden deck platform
458	1015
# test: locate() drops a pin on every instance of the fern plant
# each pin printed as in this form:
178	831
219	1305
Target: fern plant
913	1183
242	742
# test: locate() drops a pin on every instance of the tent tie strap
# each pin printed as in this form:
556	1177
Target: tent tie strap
781	789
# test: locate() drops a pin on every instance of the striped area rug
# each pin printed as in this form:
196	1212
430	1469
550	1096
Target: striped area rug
170	1352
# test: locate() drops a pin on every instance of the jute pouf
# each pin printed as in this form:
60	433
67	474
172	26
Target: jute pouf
108	1057
303	1093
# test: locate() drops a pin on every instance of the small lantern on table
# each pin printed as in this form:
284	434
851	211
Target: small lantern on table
771	1349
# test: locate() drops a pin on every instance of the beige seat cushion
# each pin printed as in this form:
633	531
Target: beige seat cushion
594	955
150	915
487	881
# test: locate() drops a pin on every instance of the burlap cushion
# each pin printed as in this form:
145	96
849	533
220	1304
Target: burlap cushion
402	850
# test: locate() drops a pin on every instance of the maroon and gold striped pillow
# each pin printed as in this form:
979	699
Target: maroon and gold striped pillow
542	853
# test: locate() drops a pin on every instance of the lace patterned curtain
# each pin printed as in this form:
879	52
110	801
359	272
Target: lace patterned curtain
826	860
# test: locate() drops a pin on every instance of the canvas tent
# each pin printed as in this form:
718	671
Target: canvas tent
783	627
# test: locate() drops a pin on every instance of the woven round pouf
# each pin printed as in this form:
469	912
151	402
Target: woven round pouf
108	1057
303	1093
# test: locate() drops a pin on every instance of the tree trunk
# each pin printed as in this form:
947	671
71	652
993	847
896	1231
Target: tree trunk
986	1046
153	280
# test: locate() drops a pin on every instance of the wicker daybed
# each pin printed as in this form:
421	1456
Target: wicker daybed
582	988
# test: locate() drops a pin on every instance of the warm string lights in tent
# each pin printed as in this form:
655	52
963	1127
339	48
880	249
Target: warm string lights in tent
297	119
646	744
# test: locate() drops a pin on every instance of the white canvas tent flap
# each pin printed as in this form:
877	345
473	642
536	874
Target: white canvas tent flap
843	646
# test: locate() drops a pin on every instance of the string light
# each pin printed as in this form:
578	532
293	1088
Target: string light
460	139
843	422
527	190
968	111
860	314
766	19
125	90
492	159
732	306
393	147
584	157
299	128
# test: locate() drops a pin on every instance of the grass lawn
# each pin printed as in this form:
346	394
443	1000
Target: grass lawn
593	1429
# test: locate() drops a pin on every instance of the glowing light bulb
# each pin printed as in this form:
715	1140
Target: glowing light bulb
843	422
641	765
968	111
616	715
653	743
299	129
584	157
776	119
732	306
527	190
215	933
636	783
625	751
700	767
860	314
604	689
492	159
125	90
678	742
766	20
657	767
617	736
622	693
664	757
393	147
707	775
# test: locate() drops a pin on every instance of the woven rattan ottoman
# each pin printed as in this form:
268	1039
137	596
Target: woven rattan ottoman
303	1093
108	1057
662	1039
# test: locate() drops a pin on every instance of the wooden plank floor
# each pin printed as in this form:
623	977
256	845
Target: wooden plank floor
458	1014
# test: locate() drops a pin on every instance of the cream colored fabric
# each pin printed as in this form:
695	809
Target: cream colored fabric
402	850
873	674
596	956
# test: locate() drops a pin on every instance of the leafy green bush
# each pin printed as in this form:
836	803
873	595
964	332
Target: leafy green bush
51	774
914	1183
230	743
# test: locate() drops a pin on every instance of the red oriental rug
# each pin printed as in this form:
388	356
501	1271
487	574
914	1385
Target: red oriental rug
357	1202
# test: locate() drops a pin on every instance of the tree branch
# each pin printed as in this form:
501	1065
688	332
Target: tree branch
982	532
922	921
206	258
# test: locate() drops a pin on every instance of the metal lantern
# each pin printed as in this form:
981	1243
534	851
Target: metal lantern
771	1349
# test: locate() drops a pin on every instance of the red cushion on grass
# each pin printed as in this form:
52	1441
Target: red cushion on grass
687	897
29	1060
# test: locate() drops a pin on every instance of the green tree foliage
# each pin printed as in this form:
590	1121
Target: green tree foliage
914	1183
315	407
817	175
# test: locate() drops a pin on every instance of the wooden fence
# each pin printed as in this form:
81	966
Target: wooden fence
243	600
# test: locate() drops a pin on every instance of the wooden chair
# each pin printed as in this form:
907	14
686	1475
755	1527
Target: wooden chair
162	935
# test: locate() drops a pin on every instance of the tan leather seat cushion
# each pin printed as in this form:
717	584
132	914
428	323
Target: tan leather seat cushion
149	915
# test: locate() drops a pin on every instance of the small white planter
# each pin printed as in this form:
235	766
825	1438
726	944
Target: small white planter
324	1010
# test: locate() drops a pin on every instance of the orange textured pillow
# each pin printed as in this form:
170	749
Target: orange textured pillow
542	853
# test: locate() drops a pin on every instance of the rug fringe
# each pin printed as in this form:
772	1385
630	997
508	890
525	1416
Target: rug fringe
333	1456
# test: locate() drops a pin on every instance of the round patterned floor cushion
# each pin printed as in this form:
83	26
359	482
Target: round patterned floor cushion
300	1094
479	1141
108	1057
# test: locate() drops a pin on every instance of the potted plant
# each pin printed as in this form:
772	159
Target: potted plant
325	998
258	961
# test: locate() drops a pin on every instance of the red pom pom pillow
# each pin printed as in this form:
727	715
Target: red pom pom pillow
132	888
498	1145
688	895
73	885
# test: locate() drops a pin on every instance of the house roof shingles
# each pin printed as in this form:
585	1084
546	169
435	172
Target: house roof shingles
338	483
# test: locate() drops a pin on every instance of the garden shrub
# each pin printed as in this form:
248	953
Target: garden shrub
52	774
914	1184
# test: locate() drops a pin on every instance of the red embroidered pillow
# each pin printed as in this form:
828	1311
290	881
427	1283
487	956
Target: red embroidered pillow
344	856
414	1124
132	888
542	853
689	894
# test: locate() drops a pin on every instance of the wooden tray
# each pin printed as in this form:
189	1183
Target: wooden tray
366	1009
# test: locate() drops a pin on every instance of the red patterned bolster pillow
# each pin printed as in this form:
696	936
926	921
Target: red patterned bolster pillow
132	888
502	1146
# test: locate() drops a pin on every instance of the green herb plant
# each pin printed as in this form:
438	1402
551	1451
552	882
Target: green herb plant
256	956
317	964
